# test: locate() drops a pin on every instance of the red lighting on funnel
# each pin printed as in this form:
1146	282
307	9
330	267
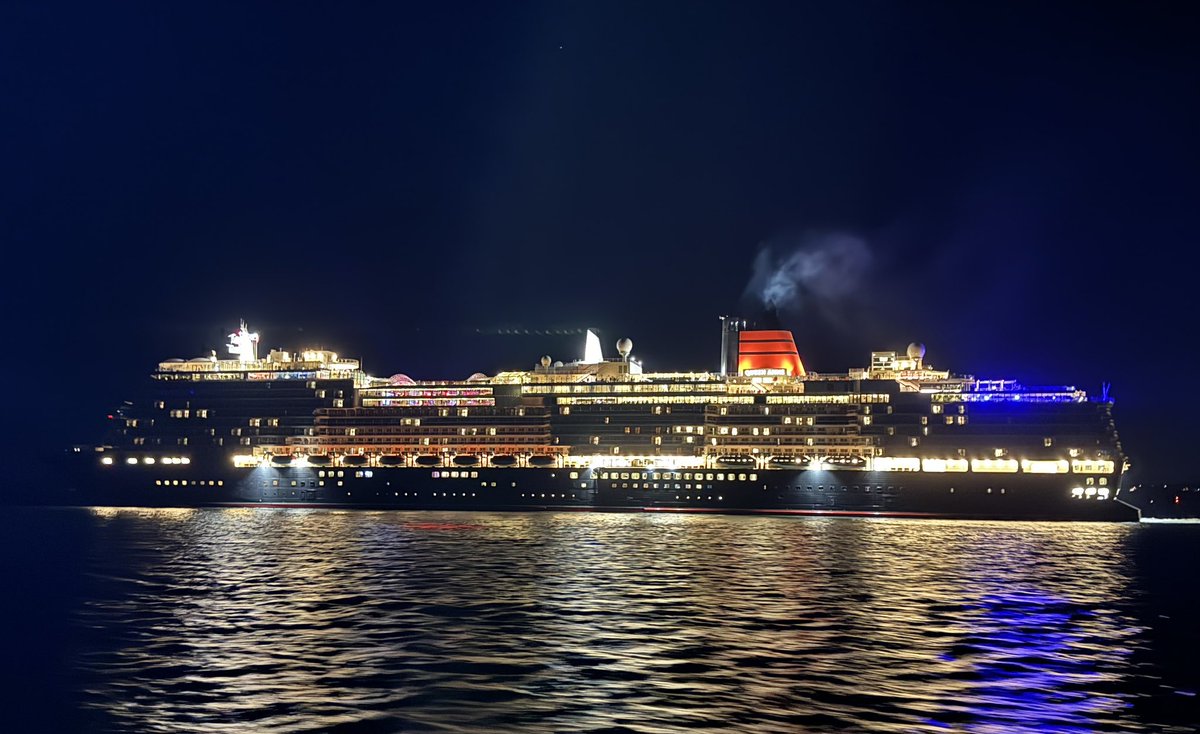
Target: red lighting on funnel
768	353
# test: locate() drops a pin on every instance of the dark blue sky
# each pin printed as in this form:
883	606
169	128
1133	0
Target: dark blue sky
387	178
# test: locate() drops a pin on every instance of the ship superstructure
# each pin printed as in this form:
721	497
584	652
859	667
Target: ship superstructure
895	437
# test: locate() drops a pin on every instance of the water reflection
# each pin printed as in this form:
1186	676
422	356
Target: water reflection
303	621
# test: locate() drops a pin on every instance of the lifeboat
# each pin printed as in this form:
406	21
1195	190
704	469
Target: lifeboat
786	462
736	461
354	460
466	460
542	460
429	460
504	460
391	460
319	460
281	460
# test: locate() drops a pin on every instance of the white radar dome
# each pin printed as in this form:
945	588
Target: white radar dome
624	347
546	360
916	351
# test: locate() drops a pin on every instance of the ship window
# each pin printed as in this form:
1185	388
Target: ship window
1047	441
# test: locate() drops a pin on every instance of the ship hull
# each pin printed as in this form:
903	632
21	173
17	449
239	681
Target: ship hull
771	491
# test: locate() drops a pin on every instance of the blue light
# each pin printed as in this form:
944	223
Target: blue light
1036	672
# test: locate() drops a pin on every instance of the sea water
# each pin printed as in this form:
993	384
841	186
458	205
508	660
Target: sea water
227	620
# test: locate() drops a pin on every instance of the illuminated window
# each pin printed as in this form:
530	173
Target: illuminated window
1047	441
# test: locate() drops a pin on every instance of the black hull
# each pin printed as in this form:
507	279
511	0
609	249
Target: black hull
776	491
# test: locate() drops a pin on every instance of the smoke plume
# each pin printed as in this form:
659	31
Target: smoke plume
816	271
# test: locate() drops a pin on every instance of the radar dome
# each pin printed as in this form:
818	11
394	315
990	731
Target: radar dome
916	351
624	347
401	379
477	377
558	363
546	360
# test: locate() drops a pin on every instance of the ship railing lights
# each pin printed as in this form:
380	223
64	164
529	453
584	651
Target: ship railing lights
107	461
131	460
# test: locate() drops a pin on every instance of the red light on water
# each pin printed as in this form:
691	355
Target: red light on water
1176	499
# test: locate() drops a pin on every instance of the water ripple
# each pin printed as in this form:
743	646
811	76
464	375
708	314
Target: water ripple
311	621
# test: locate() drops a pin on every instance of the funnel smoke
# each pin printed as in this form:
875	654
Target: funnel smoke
814	271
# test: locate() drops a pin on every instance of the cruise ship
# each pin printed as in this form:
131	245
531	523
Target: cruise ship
760	434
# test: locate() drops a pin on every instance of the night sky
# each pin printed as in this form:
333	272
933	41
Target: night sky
1013	184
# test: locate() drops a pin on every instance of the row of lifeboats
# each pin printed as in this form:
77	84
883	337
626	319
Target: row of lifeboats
424	460
509	460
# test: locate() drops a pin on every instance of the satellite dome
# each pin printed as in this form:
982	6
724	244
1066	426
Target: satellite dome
546	360
624	347
477	377
558	363
399	379
916	351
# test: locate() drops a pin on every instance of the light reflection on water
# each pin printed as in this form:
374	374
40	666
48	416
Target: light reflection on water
220	620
